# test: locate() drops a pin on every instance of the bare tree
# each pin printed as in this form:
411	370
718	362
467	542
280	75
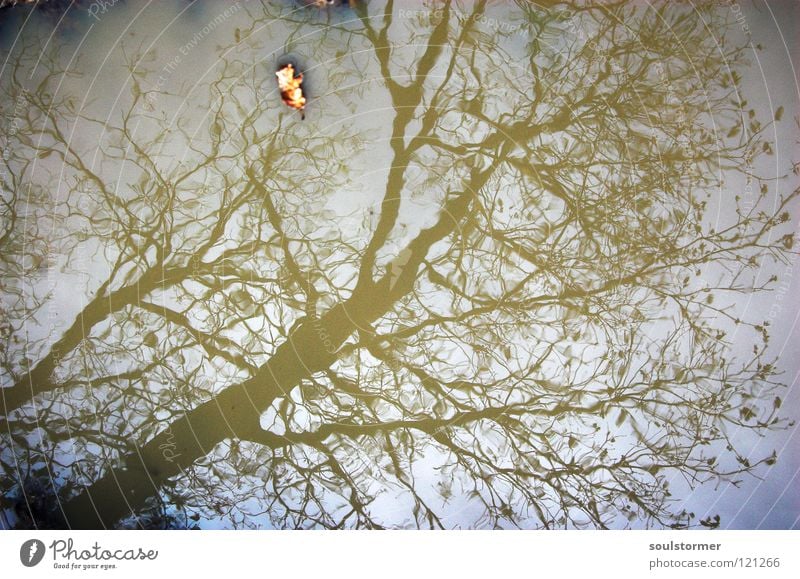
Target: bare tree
529	326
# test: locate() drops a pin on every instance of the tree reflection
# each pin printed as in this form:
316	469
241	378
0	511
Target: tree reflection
542	343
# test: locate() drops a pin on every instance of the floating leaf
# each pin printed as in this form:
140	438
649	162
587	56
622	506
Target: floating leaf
290	85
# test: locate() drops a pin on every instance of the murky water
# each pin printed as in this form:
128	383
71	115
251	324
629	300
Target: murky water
512	269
